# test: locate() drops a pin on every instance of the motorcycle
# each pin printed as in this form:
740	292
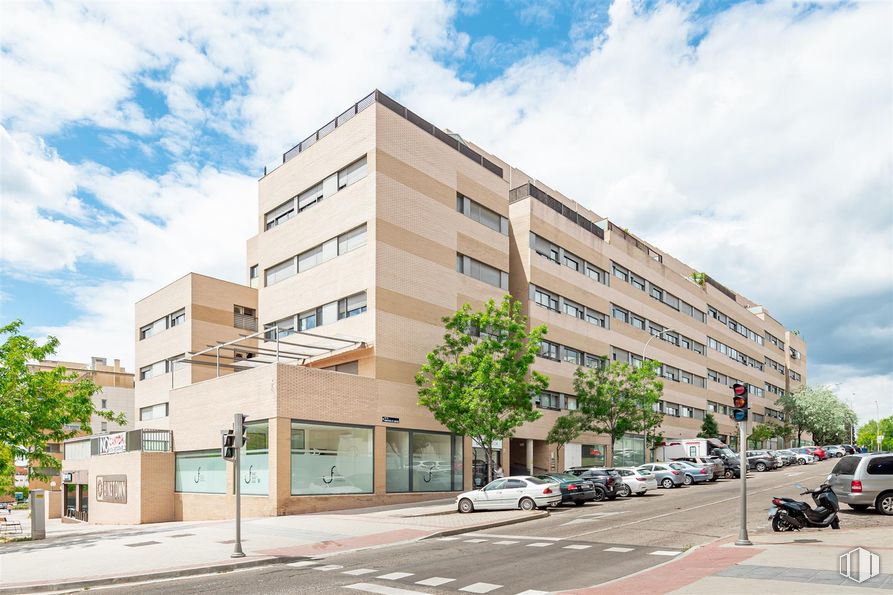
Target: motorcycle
788	514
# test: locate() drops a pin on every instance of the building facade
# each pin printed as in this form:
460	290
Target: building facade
371	231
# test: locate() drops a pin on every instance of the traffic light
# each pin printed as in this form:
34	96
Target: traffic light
228	444
240	430
739	402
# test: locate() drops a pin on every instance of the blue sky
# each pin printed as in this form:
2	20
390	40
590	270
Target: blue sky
754	128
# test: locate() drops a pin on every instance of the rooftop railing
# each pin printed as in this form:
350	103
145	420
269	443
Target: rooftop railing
379	97
528	189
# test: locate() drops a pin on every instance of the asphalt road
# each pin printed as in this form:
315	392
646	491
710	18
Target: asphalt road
574	547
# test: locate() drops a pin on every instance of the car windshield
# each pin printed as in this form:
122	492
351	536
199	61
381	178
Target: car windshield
681	464
559	477
677	466
643	471
494	485
536	481
846	466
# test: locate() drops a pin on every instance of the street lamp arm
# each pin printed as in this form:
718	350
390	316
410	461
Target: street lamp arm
653	337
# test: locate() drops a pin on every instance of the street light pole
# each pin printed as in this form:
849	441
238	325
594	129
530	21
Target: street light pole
877	413
648	342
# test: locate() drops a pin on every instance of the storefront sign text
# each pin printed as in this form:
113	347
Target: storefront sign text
390	420
113	443
111	488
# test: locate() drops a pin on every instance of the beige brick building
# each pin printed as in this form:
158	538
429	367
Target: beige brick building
369	232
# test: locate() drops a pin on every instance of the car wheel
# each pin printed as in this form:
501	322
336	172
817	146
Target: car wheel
625	491
465	505
599	495
527	504
884	503
688	480
761	467
801	462
666	483
728	474
839	455
858	506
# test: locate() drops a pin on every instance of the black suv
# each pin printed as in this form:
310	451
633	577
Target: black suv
608	479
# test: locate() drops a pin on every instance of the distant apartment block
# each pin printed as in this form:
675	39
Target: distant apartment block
369	232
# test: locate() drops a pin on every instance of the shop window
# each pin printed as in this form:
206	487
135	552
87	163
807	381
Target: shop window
424	461
593	455
329	459
201	472
254	459
629	451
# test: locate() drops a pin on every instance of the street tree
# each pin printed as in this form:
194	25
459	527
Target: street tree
709	429
759	433
819	411
867	435
609	397
650	391
565	429
40	406
478	381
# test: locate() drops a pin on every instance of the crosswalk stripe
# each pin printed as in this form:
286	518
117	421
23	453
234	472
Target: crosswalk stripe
505	542
329	567
382	589
435	581
475	540
618	549
302	564
540	544
533	592
665	553
480	588
577	547
359	571
394	576
447	539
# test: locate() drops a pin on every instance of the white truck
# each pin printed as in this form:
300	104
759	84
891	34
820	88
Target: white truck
675	448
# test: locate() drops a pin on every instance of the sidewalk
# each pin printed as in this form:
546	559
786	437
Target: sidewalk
790	563
77	556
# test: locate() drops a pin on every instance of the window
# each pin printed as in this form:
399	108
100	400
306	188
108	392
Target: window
592	361
352	173
549	400
309	259
575	310
571	261
330	459
280	328
549	350
637	282
621	273
280	272
573	356
104	404
156	369
200	472
481	214
423	461
545	299
570	403
280	214
154	412
637	322
352	306
596	318
596	273
310	197
481	271
657	293
105	427
154	328
620	314
879	466
244	317
252	277
352	240
308	320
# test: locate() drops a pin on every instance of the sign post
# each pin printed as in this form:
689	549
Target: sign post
238	432
743	538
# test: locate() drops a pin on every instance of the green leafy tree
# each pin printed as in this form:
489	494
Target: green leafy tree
478	382
565	429
709	429
867	435
37	405
784	431
759	433
613	398
819	411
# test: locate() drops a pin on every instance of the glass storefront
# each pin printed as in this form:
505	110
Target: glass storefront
629	451
593	455
200	472
330	459
424	461
254	460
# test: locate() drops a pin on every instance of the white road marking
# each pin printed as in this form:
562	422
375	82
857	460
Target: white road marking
475	540
448	539
359	571
505	542
619	549
382	589
302	564
394	576
435	581
480	588
533	592
577	547
540	544
665	553
527	537
793	474
329	567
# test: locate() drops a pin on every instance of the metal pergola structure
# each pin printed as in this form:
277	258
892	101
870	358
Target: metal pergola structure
259	348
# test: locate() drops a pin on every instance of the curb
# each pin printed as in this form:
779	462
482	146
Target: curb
217	568
540	514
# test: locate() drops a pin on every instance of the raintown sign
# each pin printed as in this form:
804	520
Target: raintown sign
111	488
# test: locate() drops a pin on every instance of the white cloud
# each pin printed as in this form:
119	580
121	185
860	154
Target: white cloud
769	142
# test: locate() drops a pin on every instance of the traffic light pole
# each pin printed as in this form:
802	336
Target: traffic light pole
237	430
742	465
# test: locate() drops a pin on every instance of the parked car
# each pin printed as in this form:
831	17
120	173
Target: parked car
835	451
788	458
804	450
665	476
730	460
517	491
609	479
692	473
864	480
800	458
779	461
762	461
636	481
573	488
715	463
817	452
850	449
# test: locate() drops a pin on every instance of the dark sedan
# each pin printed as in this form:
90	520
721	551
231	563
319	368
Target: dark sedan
574	489
610	481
